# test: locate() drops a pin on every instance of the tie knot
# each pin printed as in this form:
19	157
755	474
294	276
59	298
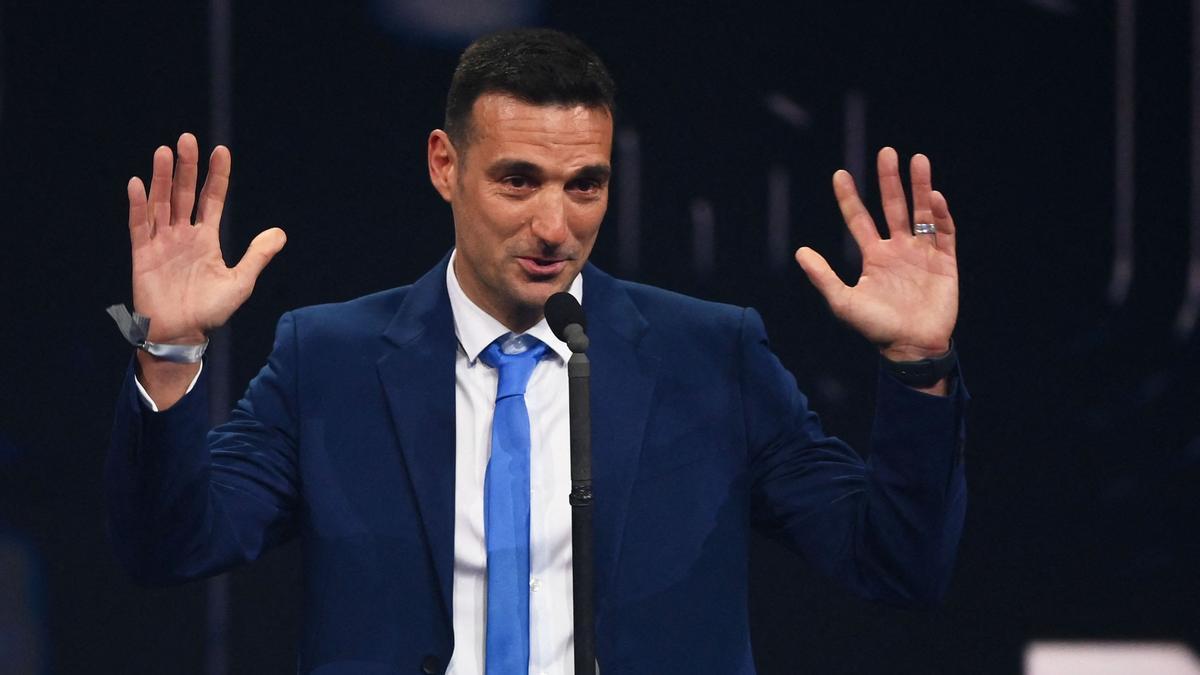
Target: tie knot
515	359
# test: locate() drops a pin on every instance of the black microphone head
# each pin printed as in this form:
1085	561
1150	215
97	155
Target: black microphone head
562	310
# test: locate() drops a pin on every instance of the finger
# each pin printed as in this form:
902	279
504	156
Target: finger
261	251
891	191
216	184
858	220
946	236
183	186
160	190
139	227
822	276
922	185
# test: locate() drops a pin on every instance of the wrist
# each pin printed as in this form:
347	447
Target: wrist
902	353
923	373
136	329
164	382
188	338
148	363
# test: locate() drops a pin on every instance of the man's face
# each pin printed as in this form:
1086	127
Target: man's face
528	195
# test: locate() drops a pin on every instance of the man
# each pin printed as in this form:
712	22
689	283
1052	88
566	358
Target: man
374	432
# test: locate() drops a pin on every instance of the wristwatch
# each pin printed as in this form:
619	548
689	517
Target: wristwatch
926	372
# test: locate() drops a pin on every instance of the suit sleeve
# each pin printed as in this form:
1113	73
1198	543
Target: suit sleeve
888	527
185	502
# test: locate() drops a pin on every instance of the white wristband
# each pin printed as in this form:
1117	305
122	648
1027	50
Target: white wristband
135	327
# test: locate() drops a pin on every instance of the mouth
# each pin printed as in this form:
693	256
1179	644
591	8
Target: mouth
542	267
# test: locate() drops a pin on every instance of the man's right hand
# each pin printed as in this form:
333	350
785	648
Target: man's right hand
180	279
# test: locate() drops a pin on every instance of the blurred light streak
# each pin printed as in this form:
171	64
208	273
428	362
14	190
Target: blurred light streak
458	21
219	357
854	129
2	64
1123	189
779	197
1185	320
629	200
704	234
1063	7
787	110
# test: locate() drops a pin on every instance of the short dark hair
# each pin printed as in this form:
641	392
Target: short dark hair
535	65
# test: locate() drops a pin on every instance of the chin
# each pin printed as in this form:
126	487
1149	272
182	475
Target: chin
536	297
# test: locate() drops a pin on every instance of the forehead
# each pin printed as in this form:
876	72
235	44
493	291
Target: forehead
504	125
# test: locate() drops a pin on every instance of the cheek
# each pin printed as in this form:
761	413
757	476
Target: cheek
504	218
586	221
489	228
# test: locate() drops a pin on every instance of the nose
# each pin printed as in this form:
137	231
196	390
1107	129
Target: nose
549	221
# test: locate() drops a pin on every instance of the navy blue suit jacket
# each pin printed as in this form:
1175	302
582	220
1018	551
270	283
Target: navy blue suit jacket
346	440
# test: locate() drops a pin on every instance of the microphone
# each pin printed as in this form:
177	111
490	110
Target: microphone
567	320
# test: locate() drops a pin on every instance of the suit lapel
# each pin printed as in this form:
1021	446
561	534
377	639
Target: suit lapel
418	381
623	380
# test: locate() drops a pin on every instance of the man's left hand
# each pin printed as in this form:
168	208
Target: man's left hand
906	300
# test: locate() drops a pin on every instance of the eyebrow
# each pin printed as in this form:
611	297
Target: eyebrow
597	172
504	167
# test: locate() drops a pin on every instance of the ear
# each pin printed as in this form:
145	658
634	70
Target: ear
443	163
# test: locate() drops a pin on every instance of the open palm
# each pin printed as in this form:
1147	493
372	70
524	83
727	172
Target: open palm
906	299
180	279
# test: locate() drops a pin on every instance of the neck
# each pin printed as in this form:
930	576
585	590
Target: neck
518	322
516	318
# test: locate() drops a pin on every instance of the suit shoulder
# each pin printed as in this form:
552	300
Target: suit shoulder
684	311
363	316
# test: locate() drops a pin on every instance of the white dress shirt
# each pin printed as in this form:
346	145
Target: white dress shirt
551	600
551	620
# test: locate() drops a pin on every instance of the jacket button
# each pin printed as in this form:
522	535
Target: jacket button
430	665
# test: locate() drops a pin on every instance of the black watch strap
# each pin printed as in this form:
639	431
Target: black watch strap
926	372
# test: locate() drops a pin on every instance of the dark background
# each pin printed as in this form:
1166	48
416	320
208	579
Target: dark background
1084	449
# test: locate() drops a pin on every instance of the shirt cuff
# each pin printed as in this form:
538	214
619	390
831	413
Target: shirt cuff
150	402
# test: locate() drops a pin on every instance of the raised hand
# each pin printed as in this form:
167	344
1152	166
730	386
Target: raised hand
906	300
180	279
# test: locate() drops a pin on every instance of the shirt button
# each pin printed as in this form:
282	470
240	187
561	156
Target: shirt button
535	584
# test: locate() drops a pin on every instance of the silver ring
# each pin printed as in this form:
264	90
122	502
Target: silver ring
924	228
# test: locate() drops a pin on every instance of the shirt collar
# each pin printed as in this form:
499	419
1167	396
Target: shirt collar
476	329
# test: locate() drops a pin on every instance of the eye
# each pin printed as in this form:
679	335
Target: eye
586	185
517	182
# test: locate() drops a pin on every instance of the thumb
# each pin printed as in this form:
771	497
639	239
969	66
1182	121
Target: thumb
262	249
821	275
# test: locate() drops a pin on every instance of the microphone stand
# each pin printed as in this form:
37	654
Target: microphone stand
579	376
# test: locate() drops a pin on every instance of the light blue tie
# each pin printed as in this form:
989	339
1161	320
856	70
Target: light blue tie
506	511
